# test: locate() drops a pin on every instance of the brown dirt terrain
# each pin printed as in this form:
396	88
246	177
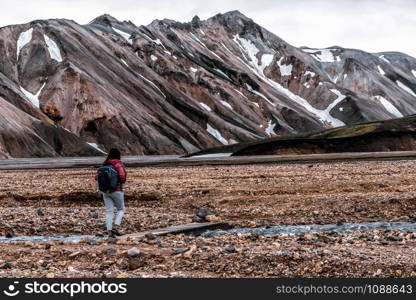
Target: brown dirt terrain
41	202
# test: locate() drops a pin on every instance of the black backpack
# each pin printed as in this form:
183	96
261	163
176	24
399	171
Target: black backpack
107	179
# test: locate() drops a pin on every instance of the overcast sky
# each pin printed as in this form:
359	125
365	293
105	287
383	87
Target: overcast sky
370	25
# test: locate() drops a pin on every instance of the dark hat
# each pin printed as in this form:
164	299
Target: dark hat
114	154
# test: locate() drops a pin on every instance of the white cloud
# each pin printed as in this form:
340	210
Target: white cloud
370	25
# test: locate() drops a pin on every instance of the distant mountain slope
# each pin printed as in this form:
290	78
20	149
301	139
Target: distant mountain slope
379	136
175	88
26	136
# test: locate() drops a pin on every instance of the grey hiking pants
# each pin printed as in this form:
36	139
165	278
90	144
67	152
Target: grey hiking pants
110	200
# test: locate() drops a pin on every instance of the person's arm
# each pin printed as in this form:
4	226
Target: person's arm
122	175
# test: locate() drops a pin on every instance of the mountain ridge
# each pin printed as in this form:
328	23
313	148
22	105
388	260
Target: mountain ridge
176	88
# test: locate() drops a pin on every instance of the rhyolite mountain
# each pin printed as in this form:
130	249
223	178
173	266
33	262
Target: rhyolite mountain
173	88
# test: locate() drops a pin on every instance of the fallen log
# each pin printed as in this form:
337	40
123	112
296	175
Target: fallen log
192	227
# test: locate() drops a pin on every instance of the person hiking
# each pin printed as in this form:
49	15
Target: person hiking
111	177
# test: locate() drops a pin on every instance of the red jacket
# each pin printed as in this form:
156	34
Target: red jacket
122	175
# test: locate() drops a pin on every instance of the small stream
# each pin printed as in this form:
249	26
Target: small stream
50	238
267	231
314	228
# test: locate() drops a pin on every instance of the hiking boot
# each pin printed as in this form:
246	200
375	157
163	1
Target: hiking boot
116	232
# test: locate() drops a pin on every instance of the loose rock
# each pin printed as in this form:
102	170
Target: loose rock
133	252
230	249
111	251
150	236
203	213
10	234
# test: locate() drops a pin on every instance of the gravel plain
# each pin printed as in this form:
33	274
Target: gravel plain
65	201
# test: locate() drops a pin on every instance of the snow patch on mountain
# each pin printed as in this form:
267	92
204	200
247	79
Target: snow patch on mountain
206	107
153	84
406	88
24	38
310	73
240	93
263	96
205	46
270	128
389	107
226	104
222	73
194	70
124	62
95	146
213	155
153	57
336	101
248	48
323	55
125	35
226	48
251	50
53	49
266	60
381	70
323	115
156	41
334	79
414	73
33	98
385	59
216	134
197	39
285	70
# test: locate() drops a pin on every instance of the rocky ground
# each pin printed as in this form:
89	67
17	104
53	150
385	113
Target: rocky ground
42	202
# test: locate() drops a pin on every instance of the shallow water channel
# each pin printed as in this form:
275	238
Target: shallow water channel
314	228
50	238
269	231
